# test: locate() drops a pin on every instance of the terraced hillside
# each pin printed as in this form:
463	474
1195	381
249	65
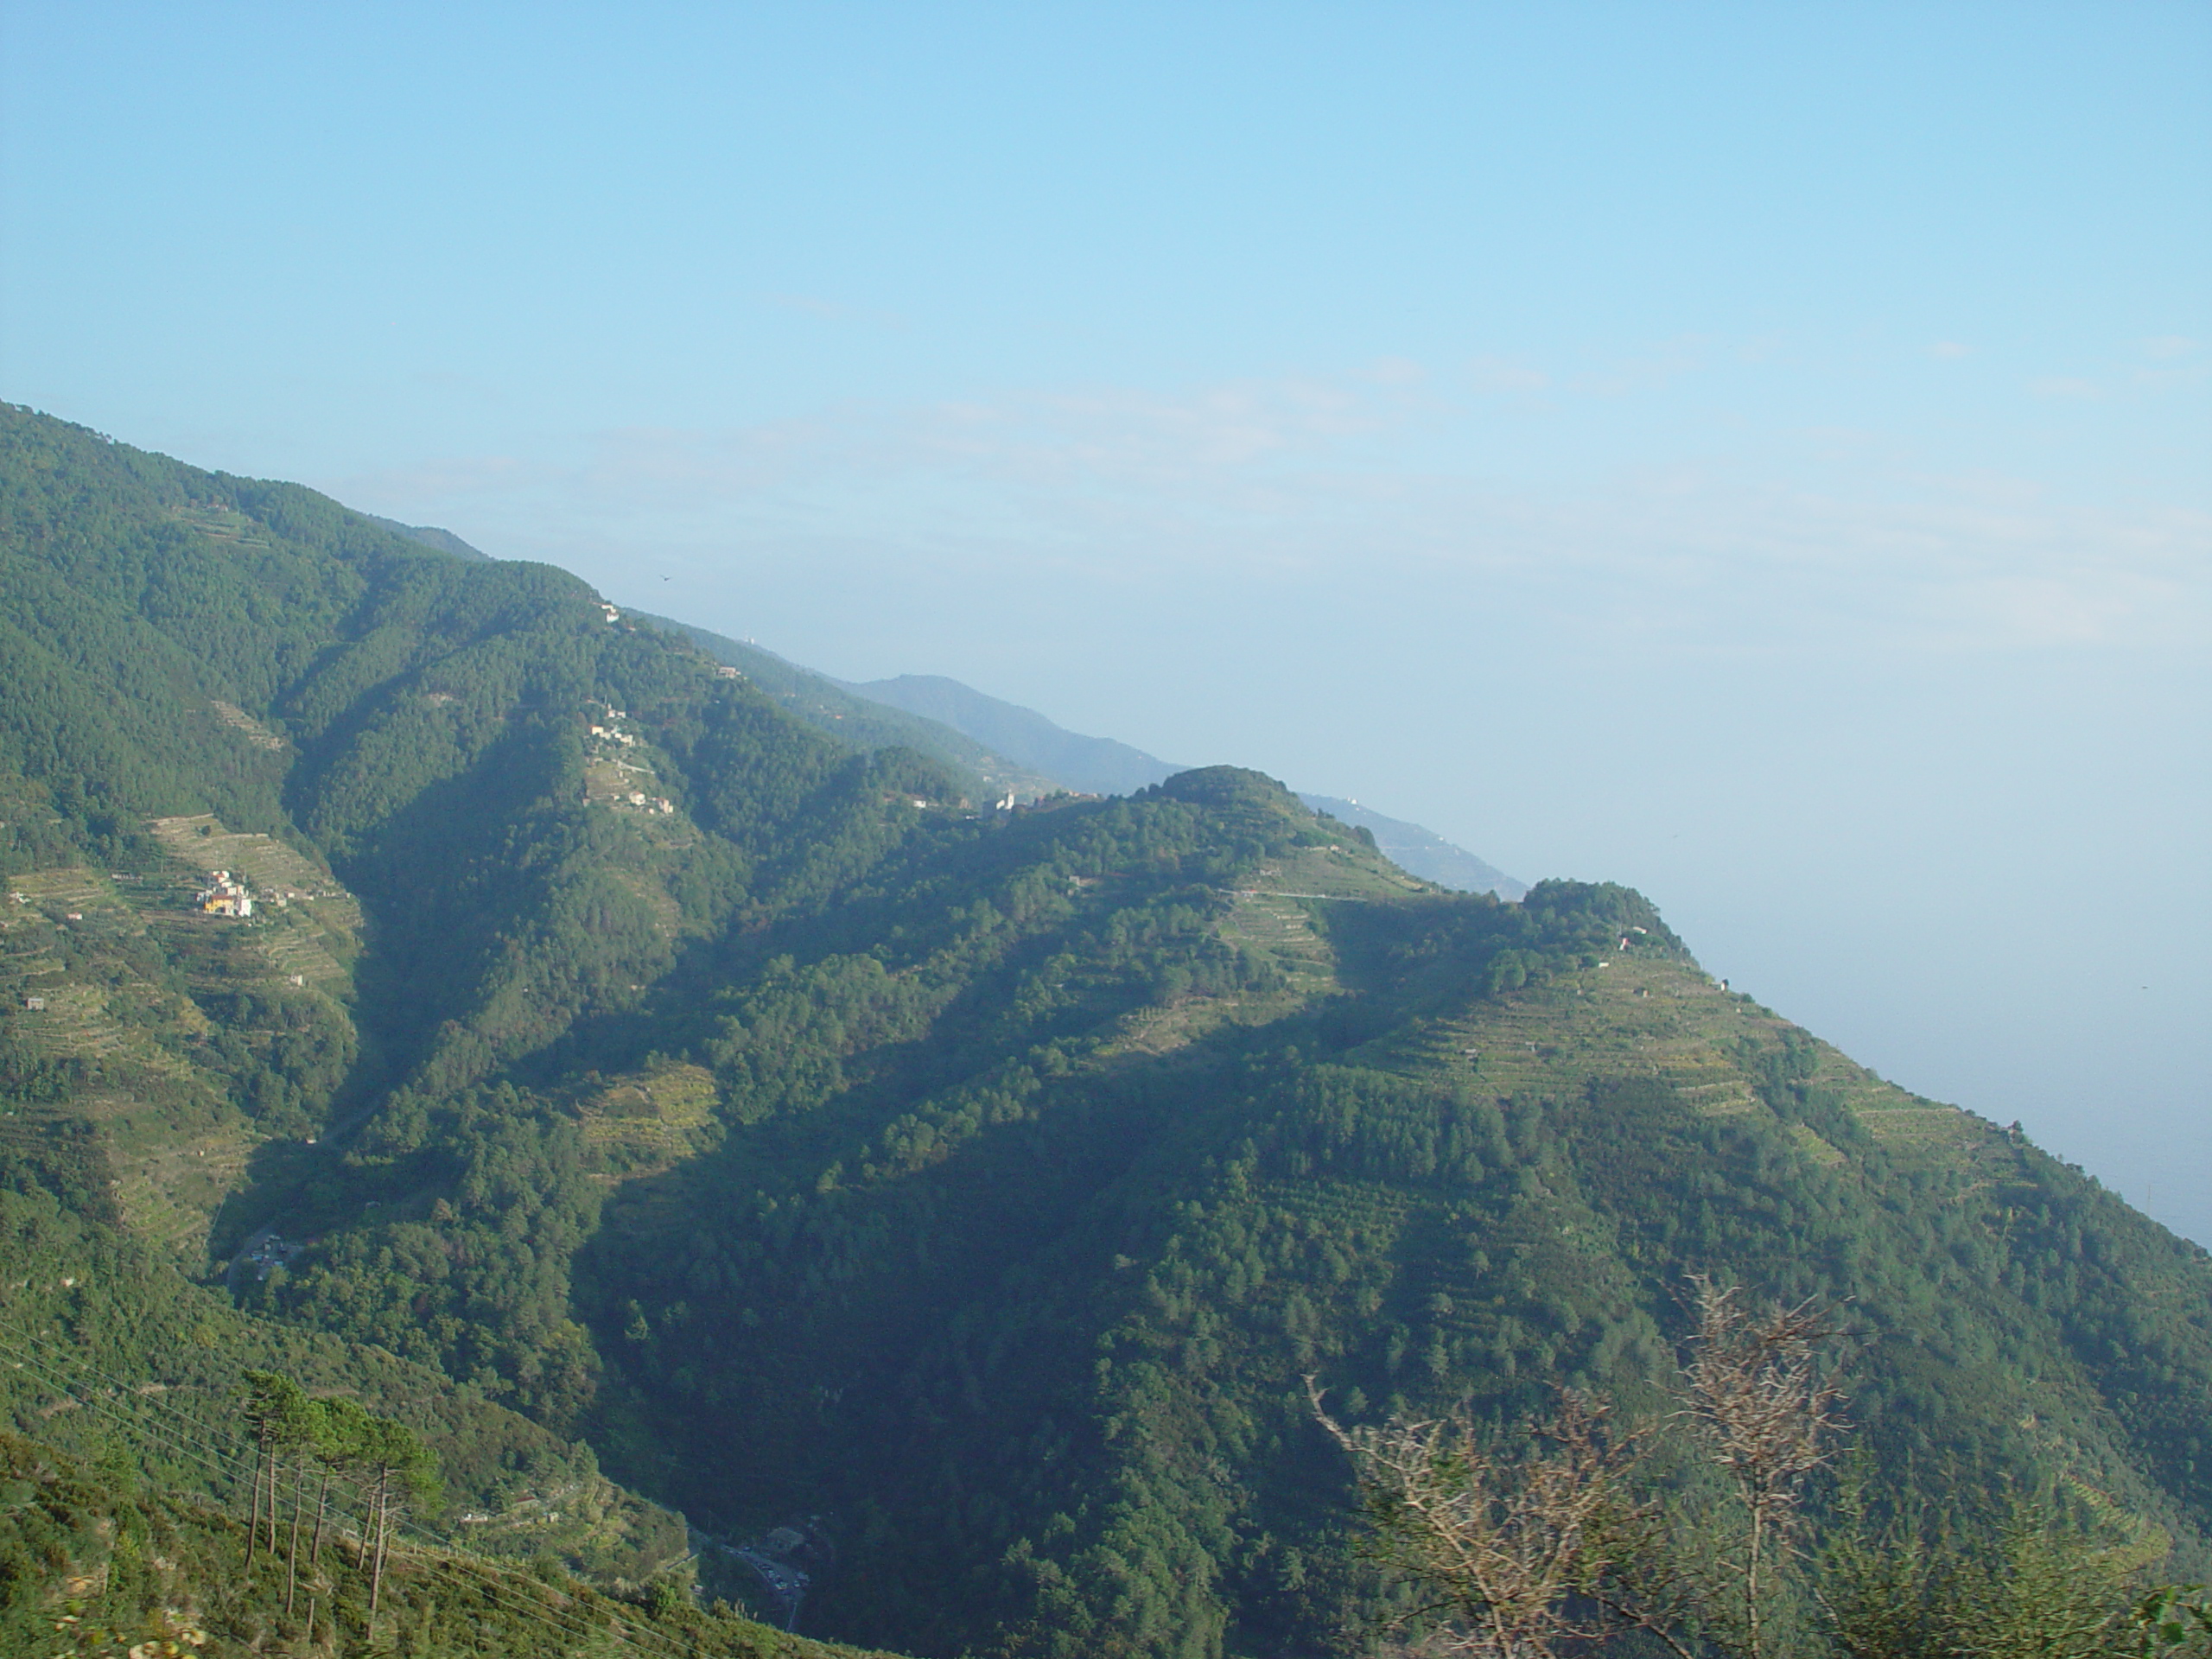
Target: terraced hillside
937	1204
1034	1302
220	694
195	1037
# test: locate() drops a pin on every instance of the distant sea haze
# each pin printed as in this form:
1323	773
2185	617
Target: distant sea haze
1102	766
1009	750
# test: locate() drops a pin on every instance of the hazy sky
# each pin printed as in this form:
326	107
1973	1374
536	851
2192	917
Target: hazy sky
1757	453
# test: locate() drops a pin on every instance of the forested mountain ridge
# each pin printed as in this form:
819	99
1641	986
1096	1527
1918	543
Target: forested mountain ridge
1101	1298
1000	749
861	723
1097	765
633	1056
1423	852
1104	767
196	668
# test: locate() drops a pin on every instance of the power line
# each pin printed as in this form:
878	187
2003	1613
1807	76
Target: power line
211	1454
429	1543
212	1457
196	1450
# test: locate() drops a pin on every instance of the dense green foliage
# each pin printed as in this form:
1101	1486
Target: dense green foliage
811	1143
88	1306
94	1563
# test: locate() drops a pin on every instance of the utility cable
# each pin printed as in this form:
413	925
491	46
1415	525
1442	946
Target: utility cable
213	1456
550	1617
222	1462
122	1389
194	1450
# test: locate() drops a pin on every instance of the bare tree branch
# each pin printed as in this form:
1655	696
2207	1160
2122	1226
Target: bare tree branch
1768	1417
1511	1543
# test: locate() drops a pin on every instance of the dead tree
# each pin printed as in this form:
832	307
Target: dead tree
1767	1417
1517	1546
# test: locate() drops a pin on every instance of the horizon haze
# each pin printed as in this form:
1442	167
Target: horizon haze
1755	455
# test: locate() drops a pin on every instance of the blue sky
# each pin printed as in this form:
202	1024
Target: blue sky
1754	452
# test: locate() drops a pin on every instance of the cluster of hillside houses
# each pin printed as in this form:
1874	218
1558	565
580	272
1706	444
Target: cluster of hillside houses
225	895
787	1562
605	730
271	1251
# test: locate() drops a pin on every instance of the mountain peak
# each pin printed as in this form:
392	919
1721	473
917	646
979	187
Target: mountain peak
1100	766
1095	766
1229	787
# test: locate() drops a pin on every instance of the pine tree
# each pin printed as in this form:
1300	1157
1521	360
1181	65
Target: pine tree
339	1427
276	1412
399	1468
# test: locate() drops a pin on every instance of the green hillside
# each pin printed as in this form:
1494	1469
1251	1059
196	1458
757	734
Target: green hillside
619	1073
1097	765
1423	852
93	1561
861	721
1101	766
1102	1267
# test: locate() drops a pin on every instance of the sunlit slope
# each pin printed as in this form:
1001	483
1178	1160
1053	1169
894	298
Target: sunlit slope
1020	1281
976	1186
107	1351
96	1560
1642	1012
470	808
189	1038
